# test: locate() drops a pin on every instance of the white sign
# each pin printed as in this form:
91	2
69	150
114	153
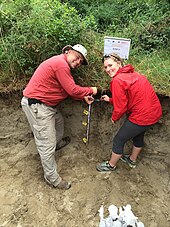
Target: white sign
120	46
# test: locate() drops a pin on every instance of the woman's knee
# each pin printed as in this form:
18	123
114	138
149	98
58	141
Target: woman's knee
118	146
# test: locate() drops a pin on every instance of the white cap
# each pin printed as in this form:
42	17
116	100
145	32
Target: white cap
80	49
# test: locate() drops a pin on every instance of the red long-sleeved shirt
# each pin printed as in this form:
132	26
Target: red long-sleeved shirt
133	94
52	82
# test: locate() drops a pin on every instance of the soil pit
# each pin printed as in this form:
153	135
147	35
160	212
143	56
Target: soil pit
27	201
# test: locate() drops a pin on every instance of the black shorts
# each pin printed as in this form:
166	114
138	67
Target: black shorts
129	131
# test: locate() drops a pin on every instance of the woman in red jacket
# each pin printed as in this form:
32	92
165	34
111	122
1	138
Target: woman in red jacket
131	94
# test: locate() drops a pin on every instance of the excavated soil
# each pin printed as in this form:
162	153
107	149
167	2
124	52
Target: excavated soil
27	201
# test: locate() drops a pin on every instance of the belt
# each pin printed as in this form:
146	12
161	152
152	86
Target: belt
33	101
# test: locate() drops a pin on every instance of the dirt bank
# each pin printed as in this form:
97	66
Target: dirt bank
27	201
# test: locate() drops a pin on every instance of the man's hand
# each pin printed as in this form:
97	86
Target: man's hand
89	99
105	98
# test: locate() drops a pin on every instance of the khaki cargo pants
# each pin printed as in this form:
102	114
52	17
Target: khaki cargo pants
47	125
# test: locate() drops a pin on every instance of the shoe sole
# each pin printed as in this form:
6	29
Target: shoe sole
64	187
131	166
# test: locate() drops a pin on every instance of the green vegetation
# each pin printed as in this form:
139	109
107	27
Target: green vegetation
33	30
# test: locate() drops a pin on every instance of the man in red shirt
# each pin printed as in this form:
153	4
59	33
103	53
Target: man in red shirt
50	84
131	94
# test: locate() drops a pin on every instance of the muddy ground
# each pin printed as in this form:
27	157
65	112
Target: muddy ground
27	201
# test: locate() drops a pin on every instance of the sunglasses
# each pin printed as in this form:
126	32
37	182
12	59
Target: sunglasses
111	56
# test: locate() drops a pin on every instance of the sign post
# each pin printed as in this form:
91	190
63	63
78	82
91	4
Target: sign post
120	46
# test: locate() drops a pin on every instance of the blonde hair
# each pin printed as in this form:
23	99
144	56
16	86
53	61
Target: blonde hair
115	58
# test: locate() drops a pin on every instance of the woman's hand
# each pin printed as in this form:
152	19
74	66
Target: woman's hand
113	122
89	99
105	98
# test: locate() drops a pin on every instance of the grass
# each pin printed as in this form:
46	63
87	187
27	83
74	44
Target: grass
157	69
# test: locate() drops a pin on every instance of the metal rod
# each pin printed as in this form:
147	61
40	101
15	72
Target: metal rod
88	122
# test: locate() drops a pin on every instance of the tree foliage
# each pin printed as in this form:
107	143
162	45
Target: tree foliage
146	21
32	30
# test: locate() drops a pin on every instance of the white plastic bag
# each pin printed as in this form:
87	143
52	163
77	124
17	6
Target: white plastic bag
121	217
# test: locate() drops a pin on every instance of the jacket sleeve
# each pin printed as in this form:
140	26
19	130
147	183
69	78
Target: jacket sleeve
111	101
66	80
119	99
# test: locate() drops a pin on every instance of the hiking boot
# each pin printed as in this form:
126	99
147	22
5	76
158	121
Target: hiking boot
64	142
105	167
126	159
63	185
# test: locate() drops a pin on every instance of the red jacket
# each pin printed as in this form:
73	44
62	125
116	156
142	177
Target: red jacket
52	82
133	94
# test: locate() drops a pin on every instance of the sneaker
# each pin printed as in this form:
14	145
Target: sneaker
63	185
126	159
64	142
105	167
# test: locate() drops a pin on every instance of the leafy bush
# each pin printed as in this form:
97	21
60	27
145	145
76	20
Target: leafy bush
33	30
145	22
